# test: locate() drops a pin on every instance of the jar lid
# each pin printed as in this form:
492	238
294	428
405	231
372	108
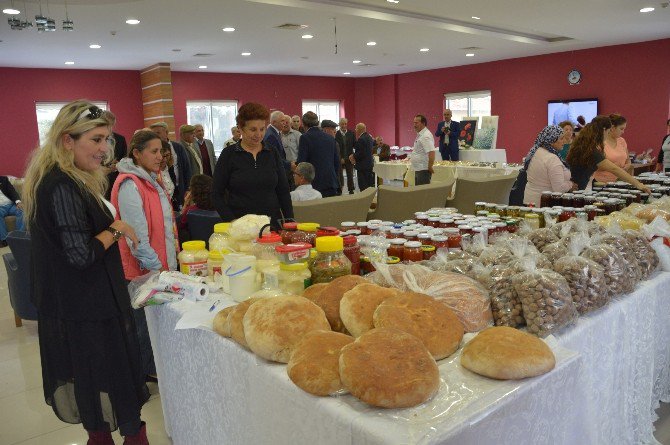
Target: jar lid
399	241
490	226
354	232
480	203
434	218
349	240
483	229
290	225
532	216
347	224
465	227
446	221
217	255
427	248
440	238
270	238
221	227
293	266
423	236
452	231
502	224
308	227
193	245
293	247
407	222
411	233
392	260
375	221
387	223
547	192
329	244
412	244
327	231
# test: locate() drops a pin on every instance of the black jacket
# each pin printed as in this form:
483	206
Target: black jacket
320	150
363	152
120	147
73	276
346	144
8	189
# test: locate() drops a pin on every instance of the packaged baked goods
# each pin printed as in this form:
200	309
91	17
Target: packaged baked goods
314	365
505	304
389	368
507	354
554	251
358	306
430	321
495	254
613	263
546	300
543	237
467	298
467	264
645	255
521	249
632	270
585	277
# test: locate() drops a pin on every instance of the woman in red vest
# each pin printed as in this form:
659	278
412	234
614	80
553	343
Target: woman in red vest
145	205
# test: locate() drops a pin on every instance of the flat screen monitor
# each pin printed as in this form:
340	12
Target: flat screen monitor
571	110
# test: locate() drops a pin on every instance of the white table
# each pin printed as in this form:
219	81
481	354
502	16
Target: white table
213	391
443	173
493	155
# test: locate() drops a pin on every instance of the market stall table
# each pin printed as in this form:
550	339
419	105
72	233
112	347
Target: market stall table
474	155
213	391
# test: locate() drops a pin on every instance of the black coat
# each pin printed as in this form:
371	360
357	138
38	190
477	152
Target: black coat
320	150
346	142
8	189
73	276
363	152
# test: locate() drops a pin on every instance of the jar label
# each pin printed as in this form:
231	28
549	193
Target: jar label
217	269
198	269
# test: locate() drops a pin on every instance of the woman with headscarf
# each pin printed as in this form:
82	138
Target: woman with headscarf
545	169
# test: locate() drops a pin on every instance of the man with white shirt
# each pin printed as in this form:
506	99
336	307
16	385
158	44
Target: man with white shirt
10	205
423	154
346	140
290	139
304	175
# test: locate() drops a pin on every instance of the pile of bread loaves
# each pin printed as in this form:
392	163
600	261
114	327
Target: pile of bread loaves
380	344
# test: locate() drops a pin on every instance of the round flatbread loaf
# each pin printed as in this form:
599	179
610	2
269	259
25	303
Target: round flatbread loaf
358	306
329	299
274	326
220	323
314	365
314	290
424	317
505	353
235	318
389	368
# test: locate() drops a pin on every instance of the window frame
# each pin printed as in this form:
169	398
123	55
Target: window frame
319	103
41	135
209	126
469	95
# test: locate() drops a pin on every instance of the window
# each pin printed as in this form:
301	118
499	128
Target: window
468	104
323	109
46	115
217	117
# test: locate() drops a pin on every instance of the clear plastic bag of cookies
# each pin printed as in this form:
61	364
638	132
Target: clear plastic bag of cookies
543	237
646	256
631	268
613	263
505	304
554	251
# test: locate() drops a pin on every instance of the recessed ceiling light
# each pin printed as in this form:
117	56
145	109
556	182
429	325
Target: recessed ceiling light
246	54
229	29
133	22
346	73
11	11
470	55
476	18
424	50
94	46
203	67
307	36
371	43
393	1
357	61
646	9
69	63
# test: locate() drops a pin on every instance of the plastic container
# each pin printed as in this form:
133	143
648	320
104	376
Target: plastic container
294	278
293	253
242	276
215	264
288	232
327	231
412	251
306	233
352	250
193	258
330	261
220	239
264	251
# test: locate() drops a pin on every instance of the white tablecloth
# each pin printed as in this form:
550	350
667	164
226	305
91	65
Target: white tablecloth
213	391
494	155
443	173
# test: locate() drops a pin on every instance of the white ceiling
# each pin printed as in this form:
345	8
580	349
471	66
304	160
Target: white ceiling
507	29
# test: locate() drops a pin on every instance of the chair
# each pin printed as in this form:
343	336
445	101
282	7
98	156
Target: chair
494	189
17	264
399	203
332	211
201	224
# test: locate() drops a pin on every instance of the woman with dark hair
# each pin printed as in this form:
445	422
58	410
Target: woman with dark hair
586	156
249	177
615	148
143	202
663	162
198	197
91	367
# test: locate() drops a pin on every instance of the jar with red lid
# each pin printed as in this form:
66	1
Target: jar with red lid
288	231
545	199
306	233
566	214
363	227
397	248
352	250
347	225
428	251
412	251
327	231
411	235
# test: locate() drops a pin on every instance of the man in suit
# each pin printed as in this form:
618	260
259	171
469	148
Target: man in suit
448	131
205	147
10	205
182	166
320	150
187	140
362	157
346	141
273	138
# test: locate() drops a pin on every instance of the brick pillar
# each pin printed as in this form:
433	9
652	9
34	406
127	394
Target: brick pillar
157	104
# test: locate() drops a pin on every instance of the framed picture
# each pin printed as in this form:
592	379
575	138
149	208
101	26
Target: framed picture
467	136
491	122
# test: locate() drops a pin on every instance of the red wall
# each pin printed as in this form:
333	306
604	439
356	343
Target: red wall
376	100
20	88
284	93
628	79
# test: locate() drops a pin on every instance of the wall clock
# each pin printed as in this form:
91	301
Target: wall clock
574	77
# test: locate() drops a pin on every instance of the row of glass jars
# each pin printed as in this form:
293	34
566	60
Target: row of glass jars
583	199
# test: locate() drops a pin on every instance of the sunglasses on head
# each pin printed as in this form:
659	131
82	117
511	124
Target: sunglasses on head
91	113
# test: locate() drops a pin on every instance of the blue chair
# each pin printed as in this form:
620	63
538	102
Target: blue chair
201	224
17	264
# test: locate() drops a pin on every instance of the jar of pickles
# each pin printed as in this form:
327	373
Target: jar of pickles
412	251
501	210
330	261
480	206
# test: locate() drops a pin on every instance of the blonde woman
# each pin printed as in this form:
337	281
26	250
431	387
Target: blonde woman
91	366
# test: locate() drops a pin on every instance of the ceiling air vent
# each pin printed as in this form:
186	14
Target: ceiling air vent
203	55
472	48
291	26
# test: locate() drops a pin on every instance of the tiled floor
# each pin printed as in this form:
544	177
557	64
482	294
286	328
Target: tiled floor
25	419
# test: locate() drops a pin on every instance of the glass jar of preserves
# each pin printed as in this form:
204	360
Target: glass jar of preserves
428	251
490	207
424	238
501	210
411	235
481	213
330	261
220	239
523	211
591	212
540	214
363	227
394	233
546	199
465	229
373	227
412	251
294	278
288	231
347	225
482	232
305	233
480	206
566	200
513	211
445	223
610	206
421	218
352	250
566	214
453	240
193	258
579	200
533	220
512	225
396	248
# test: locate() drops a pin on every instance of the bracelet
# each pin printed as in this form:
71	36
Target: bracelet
117	234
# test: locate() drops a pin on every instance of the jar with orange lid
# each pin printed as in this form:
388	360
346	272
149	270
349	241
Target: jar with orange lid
412	251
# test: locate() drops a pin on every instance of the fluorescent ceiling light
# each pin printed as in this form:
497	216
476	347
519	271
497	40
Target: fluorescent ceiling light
475	17
307	36
357	61
347	73
393	1
246	54
470	55
69	63
133	22
646	9
11	11
203	67
228	29
94	46
371	43
424	50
